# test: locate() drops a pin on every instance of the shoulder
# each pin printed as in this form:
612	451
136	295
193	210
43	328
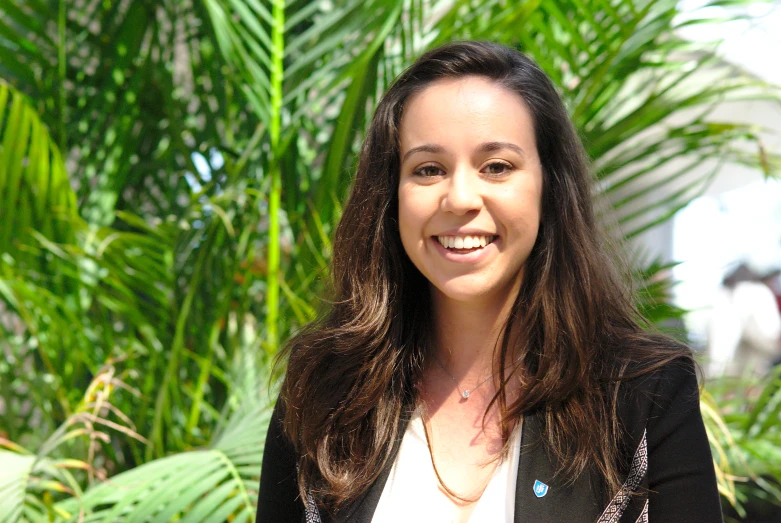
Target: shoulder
654	403
660	419
278	497
664	443
672	384
663	429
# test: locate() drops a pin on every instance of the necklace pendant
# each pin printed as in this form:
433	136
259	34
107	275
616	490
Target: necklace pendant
465	394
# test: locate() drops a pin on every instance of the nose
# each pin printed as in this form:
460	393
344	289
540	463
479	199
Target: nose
463	192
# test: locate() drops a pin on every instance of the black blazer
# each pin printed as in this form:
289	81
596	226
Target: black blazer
671	478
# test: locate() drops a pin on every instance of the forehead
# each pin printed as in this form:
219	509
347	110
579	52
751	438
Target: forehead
467	111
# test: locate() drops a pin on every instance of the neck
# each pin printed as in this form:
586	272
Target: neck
467	334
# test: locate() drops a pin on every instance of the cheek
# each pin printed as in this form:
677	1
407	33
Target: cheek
524	204
408	222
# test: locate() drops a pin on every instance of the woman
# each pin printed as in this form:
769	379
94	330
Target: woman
481	361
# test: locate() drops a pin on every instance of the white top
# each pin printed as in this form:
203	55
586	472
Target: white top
412	492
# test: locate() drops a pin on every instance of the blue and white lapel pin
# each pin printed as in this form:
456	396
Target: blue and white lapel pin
540	488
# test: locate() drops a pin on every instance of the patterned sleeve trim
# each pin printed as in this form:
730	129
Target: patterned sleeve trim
620	501
312	514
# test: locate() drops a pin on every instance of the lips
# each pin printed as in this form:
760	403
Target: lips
468	242
475	254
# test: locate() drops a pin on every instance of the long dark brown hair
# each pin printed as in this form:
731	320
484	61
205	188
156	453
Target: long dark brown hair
351	376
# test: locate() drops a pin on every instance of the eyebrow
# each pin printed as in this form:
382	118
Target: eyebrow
485	147
488	147
427	148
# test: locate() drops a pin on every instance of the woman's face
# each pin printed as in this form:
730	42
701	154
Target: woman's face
470	187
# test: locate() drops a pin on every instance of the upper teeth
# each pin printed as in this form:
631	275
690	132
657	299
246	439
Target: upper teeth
464	242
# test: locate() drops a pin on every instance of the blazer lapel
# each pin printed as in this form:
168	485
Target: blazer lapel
362	509
539	495
542	497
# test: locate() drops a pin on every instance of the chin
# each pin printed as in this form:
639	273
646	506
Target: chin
465	291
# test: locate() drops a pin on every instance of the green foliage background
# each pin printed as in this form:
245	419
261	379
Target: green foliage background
170	175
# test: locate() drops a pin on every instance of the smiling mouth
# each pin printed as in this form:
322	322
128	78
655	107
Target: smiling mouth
465	243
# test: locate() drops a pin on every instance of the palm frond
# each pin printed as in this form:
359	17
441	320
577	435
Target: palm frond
27	476
166	489
741	416
34	186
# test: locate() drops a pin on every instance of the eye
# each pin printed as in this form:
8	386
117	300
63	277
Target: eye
497	168
427	171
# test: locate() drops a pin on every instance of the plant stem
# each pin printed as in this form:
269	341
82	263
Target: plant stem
275	196
61	76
